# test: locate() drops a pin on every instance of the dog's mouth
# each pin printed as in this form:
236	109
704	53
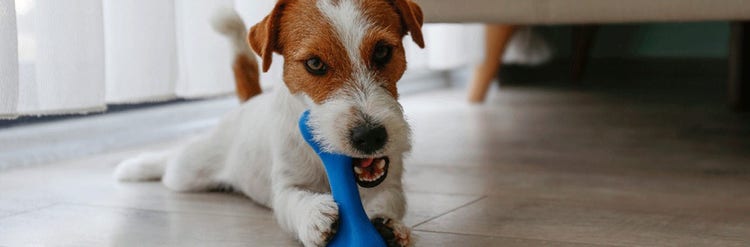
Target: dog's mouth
370	172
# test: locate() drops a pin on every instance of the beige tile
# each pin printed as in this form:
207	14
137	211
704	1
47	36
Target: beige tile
77	225
425	206
502	179
154	196
453	180
677	221
462	240
570	129
89	182
72	179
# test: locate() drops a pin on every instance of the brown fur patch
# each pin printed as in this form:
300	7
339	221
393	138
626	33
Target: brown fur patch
263	37
297	30
246	77
412	18
305	33
386	29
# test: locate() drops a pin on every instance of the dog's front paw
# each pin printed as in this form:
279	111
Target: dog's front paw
320	222
395	233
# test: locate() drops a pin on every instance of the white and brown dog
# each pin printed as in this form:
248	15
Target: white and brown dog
342	60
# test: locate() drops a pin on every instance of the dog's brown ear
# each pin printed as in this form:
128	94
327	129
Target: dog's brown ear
412	17
264	36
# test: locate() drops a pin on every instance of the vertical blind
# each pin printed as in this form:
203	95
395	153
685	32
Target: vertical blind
59	57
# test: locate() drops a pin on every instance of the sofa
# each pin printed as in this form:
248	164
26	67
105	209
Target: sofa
504	16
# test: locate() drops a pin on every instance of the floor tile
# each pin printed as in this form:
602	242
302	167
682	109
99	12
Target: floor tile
462	240
94	185
501	179
154	196
601	220
425	206
77	225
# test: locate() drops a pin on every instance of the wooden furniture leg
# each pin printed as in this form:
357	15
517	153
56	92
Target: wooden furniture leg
583	39
739	66
497	37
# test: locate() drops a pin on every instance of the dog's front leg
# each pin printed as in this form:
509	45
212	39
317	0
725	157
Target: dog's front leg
311	216
386	207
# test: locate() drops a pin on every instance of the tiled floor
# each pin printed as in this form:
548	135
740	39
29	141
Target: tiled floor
536	166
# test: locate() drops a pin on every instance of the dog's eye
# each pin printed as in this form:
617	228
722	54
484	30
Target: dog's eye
315	66
381	54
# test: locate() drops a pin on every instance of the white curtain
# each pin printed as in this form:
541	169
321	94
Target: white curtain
448	46
140	46
60	57
8	59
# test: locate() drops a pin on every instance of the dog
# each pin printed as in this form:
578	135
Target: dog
342	61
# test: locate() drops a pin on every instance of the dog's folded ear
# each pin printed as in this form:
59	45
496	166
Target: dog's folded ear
412	18
264	36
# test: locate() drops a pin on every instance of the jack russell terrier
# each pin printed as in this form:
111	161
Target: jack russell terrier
342	60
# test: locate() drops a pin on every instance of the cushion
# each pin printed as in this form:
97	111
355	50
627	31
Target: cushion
582	11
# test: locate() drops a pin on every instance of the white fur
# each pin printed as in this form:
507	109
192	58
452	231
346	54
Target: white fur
147	166
364	94
527	47
257	149
226	21
350	25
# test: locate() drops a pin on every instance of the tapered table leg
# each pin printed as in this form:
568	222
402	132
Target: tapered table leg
497	37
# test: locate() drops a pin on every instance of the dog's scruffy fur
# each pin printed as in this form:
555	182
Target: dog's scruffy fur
257	149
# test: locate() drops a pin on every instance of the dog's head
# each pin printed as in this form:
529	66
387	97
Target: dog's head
344	58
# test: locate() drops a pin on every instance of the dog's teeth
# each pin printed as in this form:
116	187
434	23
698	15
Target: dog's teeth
357	170
381	164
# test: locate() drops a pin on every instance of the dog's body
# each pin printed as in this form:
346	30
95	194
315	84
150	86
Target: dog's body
342	61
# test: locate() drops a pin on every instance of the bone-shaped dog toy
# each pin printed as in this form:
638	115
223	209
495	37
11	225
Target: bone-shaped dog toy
354	228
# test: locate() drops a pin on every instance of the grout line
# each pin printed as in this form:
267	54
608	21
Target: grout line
166	211
407	190
449	211
465	234
29	210
518	238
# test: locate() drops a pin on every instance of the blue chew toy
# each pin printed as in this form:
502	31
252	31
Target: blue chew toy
355	229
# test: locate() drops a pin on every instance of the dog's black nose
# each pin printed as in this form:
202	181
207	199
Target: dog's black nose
368	138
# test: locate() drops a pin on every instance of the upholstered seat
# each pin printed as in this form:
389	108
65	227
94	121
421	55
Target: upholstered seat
504	15
582	11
